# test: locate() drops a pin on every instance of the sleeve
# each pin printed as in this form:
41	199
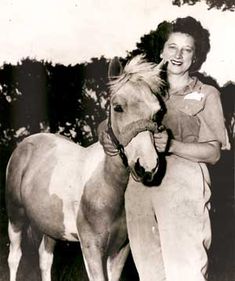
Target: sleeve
212	125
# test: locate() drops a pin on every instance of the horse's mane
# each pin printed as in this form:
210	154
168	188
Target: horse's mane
138	70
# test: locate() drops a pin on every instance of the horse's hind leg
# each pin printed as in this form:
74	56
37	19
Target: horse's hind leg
46	249
15	252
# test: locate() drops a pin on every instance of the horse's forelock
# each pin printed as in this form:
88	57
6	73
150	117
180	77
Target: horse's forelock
138	70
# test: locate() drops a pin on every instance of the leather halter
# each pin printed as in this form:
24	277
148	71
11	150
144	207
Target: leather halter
119	146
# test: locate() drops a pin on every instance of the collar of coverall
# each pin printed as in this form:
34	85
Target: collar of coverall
194	85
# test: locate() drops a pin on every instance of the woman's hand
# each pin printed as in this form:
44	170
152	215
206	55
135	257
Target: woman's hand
161	141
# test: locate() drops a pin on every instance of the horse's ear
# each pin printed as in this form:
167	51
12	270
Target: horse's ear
115	68
162	68
162	65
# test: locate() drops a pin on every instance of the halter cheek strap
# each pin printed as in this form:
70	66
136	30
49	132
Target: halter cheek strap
117	144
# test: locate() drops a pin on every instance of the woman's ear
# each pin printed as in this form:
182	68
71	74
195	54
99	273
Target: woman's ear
115	68
161	56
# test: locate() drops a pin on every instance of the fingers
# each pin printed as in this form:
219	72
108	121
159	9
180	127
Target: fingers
161	135
161	141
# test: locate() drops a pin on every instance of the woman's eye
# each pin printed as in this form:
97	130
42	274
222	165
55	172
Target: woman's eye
188	50
118	108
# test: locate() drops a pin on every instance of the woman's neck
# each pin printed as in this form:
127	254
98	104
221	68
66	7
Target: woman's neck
177	82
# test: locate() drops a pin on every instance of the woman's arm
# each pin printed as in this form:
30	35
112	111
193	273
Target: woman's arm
206	152
212	134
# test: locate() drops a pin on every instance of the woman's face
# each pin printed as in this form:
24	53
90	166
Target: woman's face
179	51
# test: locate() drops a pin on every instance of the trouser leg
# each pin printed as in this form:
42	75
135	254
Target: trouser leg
143	233
183	221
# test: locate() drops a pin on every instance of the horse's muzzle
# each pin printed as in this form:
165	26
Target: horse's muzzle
140	174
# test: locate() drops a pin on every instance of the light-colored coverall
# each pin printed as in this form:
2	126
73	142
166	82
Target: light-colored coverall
169	225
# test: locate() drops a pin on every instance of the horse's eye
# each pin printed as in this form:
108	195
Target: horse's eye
118	108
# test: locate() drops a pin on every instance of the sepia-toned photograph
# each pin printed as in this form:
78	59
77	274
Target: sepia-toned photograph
117	130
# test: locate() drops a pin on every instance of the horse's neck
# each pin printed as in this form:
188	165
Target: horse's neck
115	173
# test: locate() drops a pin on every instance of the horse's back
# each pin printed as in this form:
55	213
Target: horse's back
46	175
30	154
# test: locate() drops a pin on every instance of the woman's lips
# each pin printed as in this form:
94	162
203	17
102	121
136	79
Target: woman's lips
176	62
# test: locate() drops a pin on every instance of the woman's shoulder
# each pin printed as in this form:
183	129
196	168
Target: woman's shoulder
206	95
207	89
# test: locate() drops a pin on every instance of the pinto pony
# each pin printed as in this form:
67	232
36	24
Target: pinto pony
72	193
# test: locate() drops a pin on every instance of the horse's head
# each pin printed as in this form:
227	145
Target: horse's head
134	111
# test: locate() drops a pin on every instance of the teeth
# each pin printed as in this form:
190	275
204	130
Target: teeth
176	62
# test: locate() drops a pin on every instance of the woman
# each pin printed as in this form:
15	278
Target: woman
168	225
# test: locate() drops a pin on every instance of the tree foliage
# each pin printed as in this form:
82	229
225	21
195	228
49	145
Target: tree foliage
38	96
223	5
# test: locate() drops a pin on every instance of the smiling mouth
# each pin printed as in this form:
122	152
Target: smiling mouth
176	62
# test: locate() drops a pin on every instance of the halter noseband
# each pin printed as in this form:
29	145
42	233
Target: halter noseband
119	146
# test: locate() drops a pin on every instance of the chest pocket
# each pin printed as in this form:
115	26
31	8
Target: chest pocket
181	118
190	106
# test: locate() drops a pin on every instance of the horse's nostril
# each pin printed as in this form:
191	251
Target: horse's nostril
139	169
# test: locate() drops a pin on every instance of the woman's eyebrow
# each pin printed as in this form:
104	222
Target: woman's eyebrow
189	46
172	44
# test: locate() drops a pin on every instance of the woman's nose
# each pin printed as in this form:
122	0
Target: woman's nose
179	53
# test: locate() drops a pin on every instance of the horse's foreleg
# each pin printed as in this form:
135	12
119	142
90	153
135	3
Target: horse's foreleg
116	263
46	249
94	260
93	245
15	253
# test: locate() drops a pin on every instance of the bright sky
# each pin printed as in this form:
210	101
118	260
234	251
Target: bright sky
73	31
